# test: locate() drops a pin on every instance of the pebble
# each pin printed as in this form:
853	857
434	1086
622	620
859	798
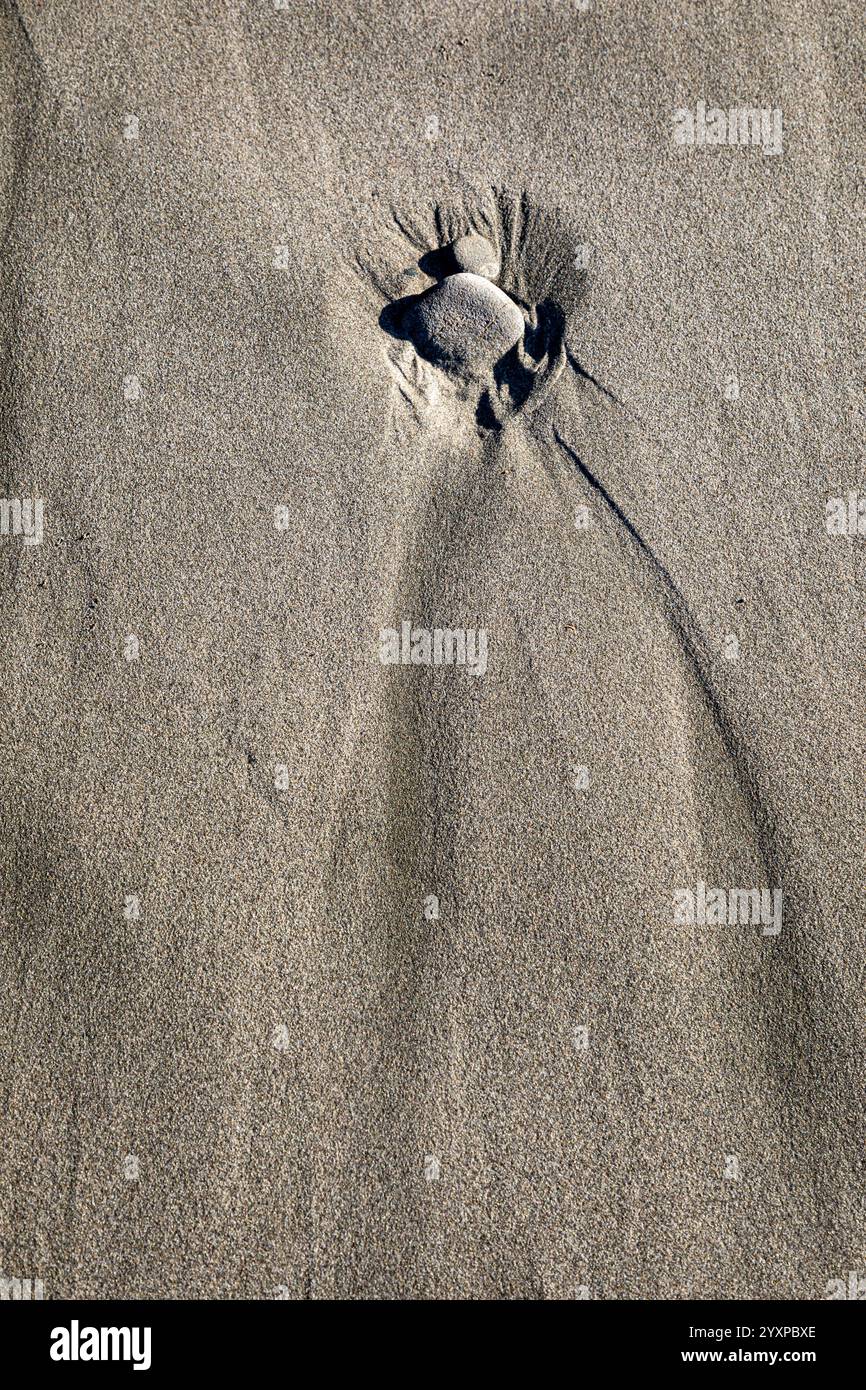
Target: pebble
465	322
477	255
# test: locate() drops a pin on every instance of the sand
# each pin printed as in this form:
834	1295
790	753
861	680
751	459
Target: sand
329	975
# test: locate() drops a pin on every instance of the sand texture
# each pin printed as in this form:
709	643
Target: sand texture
342	956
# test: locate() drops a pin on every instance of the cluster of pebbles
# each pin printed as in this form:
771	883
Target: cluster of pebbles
466	323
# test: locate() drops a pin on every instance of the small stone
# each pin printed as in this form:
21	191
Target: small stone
477	255
465	323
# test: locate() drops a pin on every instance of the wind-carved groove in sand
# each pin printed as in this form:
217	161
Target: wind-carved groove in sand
588	376
790	989
695	648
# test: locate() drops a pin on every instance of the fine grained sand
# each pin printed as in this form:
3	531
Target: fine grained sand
245	1051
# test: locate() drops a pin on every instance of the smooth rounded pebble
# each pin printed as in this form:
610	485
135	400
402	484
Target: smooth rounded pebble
477	255
465	322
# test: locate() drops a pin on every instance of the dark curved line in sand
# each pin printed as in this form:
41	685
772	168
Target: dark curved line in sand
792	993
694	646
587	376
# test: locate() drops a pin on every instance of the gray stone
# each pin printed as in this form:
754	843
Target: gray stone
477	255
465	323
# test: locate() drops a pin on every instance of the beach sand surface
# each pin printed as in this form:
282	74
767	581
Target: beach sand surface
324	977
